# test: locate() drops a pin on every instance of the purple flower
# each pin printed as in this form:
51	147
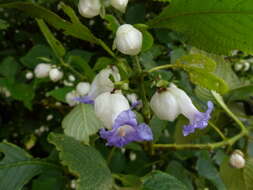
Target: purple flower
125	130
198	120
85	99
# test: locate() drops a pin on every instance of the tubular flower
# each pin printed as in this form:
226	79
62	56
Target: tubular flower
120	122
101	84
178	102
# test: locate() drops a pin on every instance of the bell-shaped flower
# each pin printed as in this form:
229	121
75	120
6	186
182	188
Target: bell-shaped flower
180	103
120	121
101	83
128	40
119	4
89	8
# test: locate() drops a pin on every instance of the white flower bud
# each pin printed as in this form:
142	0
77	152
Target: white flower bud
246	66
50	117
42	70
238	66
132	156
133	98
83	88
55	74
108	106
70	98
165	105
237	159
29	75
67	83
89	8
102	82
119	5
71	78
128	40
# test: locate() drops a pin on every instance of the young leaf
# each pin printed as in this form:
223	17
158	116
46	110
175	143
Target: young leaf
81	122
84	162
217	26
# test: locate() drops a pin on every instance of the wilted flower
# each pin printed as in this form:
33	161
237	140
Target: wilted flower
55	74
173	101
114	111
128	40
89	8
42	70
119	5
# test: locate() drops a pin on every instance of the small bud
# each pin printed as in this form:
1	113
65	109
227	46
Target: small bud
42	70
67	83
237	159
119	5
89	8
50	117
71	78
246	66
128	40
132	156
238	66
83	88
29	75
70	98
55	74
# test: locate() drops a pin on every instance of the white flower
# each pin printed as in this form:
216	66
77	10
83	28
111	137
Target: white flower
128	40
83	88
71	78
70	98
237	159
55	74
29	75
42	70
108	106
102	82
50	117
171	102
119	4
89	8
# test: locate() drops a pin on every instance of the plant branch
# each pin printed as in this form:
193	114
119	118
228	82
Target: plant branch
217	130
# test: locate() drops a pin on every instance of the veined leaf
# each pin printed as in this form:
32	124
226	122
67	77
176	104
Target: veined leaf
84	162
217	26
18	167
81	122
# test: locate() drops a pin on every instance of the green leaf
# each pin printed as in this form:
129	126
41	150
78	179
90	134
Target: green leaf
157	126
162	181
112	23
9	68
81	122
3	24
248	174
232	177
60	93
102	63
148	41
84	162
207	80
74	29
18	167
217	26
241	93
55	44
198	60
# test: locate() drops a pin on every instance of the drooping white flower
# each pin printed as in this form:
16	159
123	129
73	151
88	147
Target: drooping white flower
108	106
70	98
119	5
29	75
55	74
42	70
89	8
128	40
173	101
83	88
237	159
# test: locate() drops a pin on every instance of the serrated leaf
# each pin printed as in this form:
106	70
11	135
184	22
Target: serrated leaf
217	26
81	122
18	167
84	162
198	60
207	80
162	181
55	44
232	177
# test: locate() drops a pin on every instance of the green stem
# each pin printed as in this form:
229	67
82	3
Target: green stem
217	130
107	49
79	75
109	158
168	66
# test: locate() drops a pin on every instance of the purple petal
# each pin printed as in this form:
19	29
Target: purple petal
85	100
200	120
127	117
144	133
135	104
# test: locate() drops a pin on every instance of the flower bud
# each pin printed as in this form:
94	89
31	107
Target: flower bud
246	66
70	98
237	159
119	5
89	8
29	75
55	74
238	66
71	78
83	88
108	106
128	40
42	70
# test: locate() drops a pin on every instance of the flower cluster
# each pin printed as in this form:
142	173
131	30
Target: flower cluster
44	70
